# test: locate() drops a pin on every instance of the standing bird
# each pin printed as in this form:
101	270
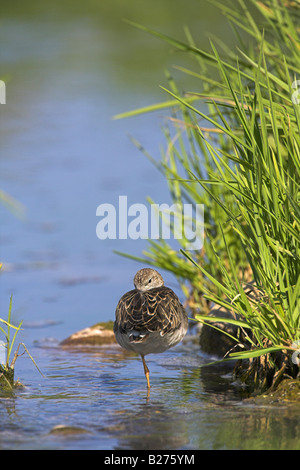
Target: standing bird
149	318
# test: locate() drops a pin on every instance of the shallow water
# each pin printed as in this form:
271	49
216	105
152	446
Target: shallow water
69	67
100	396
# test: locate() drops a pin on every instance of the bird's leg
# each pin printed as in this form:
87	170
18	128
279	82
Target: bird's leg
146	370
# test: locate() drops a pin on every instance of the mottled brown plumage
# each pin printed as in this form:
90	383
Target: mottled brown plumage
150	318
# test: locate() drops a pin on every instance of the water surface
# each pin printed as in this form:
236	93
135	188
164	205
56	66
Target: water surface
101	398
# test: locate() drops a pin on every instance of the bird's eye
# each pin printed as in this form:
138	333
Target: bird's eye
149	281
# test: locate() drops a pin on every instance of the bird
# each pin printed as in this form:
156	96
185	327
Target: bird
149	318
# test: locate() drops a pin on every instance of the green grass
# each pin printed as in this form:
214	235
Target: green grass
9	332
233	144
7	368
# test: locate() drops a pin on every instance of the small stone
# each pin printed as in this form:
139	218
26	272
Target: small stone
96	335
65	430
213	341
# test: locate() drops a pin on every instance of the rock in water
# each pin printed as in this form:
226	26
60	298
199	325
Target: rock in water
97	335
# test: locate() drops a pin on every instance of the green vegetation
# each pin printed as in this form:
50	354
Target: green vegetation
7	381
233	144
7	374
7	367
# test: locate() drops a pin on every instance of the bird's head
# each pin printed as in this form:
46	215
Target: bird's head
146	279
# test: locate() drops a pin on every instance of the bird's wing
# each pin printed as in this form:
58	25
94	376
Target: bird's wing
158	309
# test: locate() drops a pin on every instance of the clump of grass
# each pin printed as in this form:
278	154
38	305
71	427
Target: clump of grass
7	367
239	154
